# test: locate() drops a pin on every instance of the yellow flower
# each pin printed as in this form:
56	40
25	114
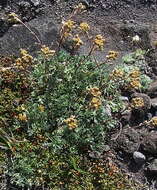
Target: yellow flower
137	103
84	27
117	73
95	91
27	58
134	74
22	117
41	108
80	6
68	25
23	52
112	55
47	52
71	122
13	18
153	121
134	84
78	42
99	41
95	103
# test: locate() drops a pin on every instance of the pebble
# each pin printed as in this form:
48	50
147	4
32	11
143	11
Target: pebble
139	157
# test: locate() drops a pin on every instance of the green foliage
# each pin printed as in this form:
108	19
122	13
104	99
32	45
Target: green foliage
72	106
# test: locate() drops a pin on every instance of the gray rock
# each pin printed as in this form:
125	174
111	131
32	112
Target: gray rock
152	167
154	103
152	90
126	116
35	2
139	157
19	37
149	142
128	141
124	98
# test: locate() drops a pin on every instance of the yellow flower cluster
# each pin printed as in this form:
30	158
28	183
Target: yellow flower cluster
77	41
99	41
95	91
95	103
13	18
117	73
112	55
134	74
137	103
71	122
22	117
68	25
80	6
153	121
24	61
134	84
41	108
84	27
47	53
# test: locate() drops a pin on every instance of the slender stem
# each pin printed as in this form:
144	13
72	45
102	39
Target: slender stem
33	33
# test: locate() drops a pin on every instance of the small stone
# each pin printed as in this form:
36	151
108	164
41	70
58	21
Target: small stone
124	98
35	2
106	148
139	157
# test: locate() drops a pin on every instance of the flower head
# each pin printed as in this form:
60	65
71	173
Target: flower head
137	103
77	41
153	121
13	18
134	74
68	25
22	117
112	55
134	84
95	91
95	103
71	122
116	74
80	6
47	52
99	41
84	27
41	108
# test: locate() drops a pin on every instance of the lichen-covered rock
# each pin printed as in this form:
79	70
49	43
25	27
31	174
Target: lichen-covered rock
128	140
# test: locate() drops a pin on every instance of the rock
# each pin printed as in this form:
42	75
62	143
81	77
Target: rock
139	157
35	2
125	117
152	167
128	141
124	99
149	143
19	37
152	90
154	103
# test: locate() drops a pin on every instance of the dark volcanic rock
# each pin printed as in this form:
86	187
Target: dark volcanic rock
19	37
149	143
128	140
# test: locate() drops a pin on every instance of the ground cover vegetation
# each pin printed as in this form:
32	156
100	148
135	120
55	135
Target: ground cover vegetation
57	109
